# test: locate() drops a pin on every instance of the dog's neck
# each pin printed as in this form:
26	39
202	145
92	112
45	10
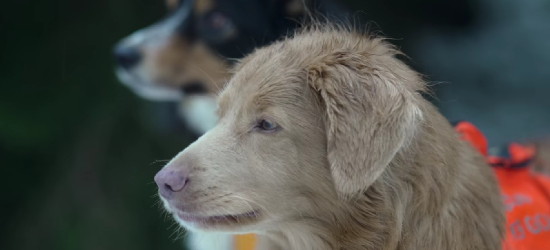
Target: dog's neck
434	189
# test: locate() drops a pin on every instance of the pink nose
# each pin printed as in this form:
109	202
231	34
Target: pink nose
170	181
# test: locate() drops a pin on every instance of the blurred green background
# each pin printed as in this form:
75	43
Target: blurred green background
78	151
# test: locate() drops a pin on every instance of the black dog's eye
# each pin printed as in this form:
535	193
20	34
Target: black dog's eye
216	27
267	126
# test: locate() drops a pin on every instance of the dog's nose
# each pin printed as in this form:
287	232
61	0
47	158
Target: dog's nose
170	181
126	57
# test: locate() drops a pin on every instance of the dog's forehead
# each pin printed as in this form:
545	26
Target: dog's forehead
266	80
263	68
273	72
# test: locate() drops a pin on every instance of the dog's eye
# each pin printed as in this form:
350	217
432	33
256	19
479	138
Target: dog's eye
267	126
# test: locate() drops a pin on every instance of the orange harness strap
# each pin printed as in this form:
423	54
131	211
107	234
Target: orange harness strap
525	193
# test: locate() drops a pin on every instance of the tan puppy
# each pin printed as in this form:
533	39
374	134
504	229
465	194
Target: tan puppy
325	142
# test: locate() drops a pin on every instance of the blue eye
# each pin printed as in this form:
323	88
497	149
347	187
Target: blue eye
267	126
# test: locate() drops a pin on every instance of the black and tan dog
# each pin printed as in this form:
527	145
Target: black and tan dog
187	56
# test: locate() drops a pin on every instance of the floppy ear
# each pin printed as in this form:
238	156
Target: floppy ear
369	115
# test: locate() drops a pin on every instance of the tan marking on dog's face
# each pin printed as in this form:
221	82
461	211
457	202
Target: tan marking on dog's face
169	61
176	62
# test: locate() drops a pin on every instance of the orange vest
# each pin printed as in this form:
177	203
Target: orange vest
526	195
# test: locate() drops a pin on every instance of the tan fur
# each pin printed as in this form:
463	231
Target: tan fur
360	160
170	61
173	61
177	62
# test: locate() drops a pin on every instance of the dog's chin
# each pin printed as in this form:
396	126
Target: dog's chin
147	90
227	223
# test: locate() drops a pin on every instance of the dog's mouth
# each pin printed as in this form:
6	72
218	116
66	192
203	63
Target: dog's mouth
220	220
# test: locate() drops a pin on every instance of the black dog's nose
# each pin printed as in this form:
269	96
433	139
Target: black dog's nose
126	57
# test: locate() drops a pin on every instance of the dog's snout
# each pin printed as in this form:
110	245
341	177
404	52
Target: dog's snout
170	181
127	57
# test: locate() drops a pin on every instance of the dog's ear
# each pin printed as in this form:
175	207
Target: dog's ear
370	114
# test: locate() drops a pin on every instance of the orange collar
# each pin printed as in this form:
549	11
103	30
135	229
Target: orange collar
244	241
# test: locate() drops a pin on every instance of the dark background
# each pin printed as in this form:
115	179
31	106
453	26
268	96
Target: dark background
78	151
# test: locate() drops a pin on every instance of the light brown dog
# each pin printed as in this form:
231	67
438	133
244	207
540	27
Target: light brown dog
325	142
